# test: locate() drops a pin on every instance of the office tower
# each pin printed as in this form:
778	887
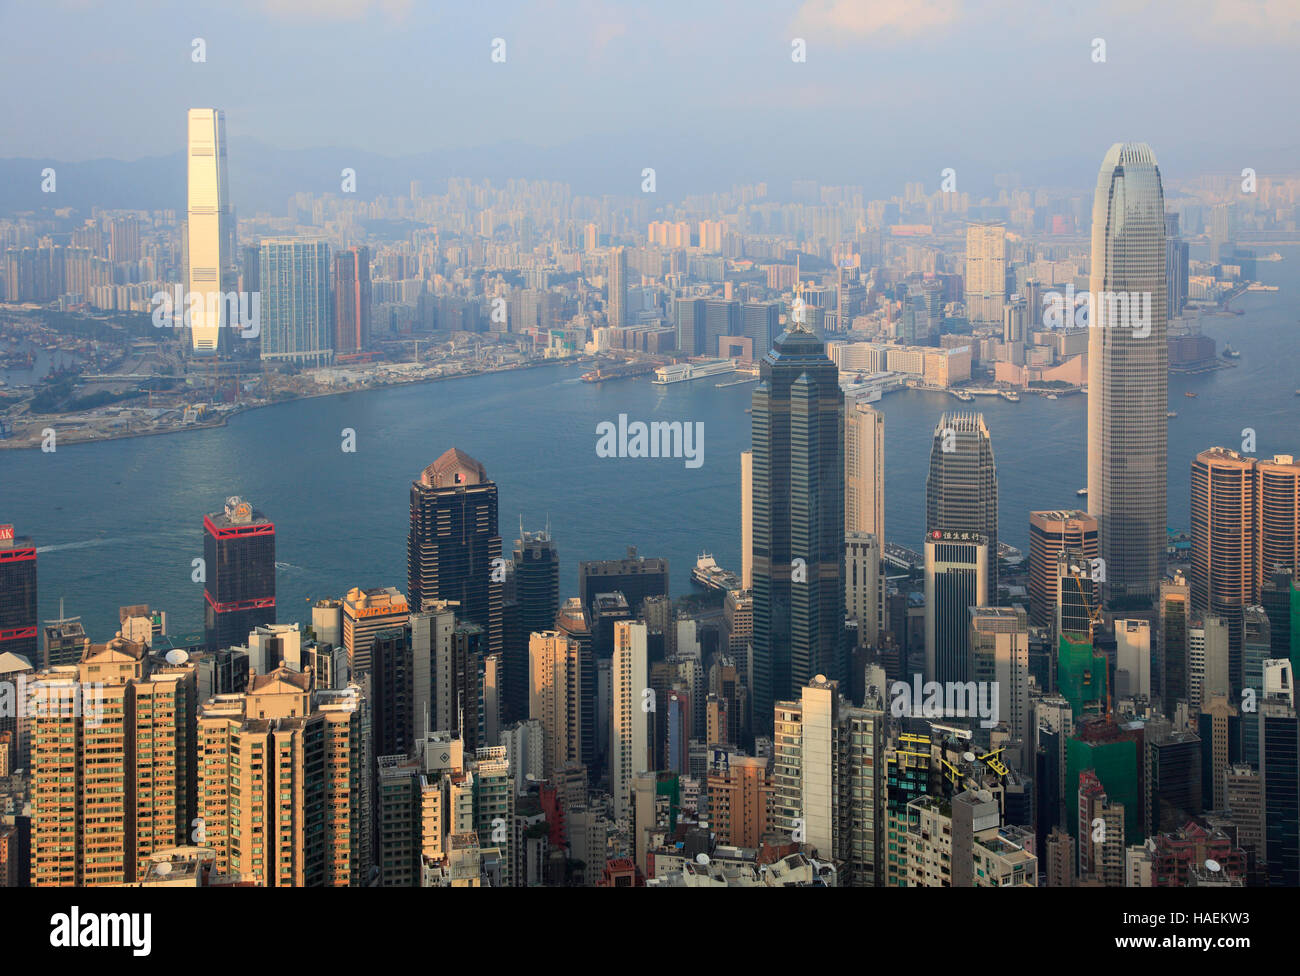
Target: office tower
616	281
239	573
1223	491
636	577
537	597
297	324
453	551
18	595
999	652
392	692
365	614
1133	659
271	645
1255	654
864	587
555	666
1176	267
1277	517
1076	594
65	641
1050	533
1173	777
327	621
630	743
798	448
1209	655
1222	231
112	765
1128	359
1175	606
1015	321
210	235
575	624
606	610
1060	859
328	663
1275	598
760	322
956	579
986	273
689	318
864	470
746	519
1101	834
285	783
739	799
1279	764
961	491
352	300
827	776
1243	789
1219	727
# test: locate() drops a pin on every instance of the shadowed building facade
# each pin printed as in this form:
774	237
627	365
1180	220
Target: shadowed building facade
798	506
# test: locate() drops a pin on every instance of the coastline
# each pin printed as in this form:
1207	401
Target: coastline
225	417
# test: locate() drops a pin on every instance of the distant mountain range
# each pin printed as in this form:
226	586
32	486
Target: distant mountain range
263	177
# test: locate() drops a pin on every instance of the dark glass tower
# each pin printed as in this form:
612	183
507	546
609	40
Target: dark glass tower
453	551
961	492
239	565
537	601
798	498
17	595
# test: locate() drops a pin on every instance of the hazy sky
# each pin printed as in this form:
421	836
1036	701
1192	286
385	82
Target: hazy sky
901	86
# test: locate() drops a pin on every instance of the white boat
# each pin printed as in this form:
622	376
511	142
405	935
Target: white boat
1052	396
1011	396
1082	492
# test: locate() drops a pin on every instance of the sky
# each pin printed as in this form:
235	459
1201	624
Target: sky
707	93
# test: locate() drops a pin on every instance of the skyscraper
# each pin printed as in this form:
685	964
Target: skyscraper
239	569
864	470
629	747
18	624
961	492
746	519
798	496
616	305
986	273
297	323
1128	380
210	233
453	551
1223	494
352	300
1050	533
956	579
537	601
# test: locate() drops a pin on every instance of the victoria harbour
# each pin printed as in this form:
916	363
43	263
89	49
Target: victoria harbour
341	518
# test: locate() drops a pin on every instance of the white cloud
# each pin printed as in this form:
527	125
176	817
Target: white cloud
843	21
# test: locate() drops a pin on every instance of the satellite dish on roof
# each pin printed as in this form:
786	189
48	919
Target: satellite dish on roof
701	859
177	656
1211	865
162	868
968	757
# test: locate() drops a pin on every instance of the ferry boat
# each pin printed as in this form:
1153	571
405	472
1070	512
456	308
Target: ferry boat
1052	396
963	396
711	576
1082	492
1189	393
1230	353
684	372
1171	415
1011	396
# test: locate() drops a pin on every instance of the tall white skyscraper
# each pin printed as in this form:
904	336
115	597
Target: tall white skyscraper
1128	363
629	740
986	273
864	470
746	519
210	231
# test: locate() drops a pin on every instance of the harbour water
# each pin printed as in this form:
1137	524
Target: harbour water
119	522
